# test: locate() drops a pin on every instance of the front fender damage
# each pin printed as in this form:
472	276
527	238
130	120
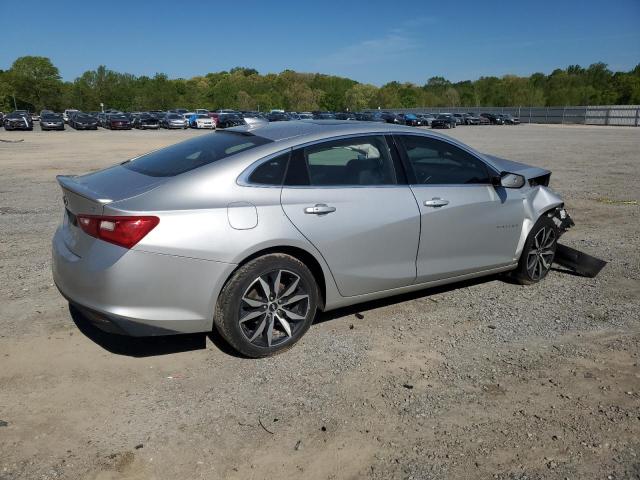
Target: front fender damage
543	201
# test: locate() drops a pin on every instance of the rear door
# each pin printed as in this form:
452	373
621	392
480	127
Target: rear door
467	224
346	198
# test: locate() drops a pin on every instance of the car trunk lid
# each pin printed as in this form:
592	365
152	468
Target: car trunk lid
88	194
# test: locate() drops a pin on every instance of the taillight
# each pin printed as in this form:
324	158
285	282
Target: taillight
122	231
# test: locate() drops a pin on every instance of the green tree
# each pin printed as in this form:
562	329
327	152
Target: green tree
360	96
35	81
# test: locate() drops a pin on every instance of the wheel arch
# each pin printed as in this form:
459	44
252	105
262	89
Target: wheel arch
299	253
538	201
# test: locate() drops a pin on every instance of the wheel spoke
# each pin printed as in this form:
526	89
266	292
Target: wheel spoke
259	330
270	331
293	316
285	325
276	283
292	288
265	287
551	238
294	299
536	238
544	262
534	267
531	261
252	315
253	302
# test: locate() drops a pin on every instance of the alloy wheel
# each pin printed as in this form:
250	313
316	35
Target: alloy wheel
541	253
273	308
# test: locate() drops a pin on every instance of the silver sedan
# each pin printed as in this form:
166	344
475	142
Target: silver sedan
251	230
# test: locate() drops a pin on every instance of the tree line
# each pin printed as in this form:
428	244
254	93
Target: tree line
34	83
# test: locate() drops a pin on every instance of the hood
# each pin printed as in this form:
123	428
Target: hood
504	165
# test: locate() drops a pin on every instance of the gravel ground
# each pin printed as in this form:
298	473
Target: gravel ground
484	379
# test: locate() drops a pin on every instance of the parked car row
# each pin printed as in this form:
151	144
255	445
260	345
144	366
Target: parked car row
181	118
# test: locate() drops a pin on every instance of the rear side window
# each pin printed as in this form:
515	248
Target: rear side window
194	153
270	172
435	162
354	161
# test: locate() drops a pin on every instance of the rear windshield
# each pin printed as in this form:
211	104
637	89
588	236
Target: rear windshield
194	153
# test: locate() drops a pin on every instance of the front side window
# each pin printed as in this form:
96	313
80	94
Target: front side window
355	161
435	162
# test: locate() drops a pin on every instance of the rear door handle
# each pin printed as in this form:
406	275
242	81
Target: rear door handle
436	202
319	209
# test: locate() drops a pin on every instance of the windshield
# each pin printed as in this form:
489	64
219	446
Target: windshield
194	153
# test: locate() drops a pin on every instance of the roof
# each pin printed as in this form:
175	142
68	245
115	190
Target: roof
278	131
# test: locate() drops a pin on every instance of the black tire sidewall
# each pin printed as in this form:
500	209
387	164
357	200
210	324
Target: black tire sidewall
226	315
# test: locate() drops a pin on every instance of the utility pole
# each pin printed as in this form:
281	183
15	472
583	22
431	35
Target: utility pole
15	107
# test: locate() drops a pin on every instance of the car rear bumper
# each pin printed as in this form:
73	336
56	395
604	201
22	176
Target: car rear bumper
139	293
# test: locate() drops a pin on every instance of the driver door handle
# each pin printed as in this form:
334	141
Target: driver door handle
436	202
319	209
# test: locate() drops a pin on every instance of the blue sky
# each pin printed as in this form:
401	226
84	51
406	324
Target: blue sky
370	41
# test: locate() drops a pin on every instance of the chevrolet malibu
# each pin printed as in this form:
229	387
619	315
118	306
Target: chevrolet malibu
252	230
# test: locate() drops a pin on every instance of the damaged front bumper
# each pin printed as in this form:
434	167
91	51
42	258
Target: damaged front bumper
575	260
561	218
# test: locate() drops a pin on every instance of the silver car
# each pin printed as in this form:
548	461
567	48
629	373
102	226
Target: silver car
255	229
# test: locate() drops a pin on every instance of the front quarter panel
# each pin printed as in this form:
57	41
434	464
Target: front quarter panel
537	201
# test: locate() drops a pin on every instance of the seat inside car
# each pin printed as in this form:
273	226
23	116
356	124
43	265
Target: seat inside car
364	171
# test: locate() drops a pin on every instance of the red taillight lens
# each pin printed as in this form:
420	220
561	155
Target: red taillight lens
122	231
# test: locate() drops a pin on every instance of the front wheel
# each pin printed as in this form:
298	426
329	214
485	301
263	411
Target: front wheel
267	305
538	252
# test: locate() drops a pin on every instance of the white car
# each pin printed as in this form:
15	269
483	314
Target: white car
201	121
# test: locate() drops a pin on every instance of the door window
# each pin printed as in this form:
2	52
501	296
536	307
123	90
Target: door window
435	162
355	161
270	172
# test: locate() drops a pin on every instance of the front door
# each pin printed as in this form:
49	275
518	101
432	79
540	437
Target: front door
467	224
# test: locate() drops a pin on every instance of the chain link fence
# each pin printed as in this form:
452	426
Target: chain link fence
622	115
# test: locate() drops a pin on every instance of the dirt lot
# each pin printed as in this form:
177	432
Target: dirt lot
480	380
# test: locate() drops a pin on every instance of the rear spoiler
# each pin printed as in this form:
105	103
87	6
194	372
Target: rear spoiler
68	183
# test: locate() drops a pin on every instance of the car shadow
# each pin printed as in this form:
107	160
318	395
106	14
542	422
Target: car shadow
405	297
139	347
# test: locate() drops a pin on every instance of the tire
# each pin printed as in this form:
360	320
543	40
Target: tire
538	253
270	328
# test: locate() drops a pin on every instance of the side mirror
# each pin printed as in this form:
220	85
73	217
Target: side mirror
511	180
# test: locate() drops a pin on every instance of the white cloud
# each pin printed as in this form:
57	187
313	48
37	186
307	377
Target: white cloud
373	51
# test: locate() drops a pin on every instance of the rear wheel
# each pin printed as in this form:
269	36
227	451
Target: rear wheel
267	305
538	252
